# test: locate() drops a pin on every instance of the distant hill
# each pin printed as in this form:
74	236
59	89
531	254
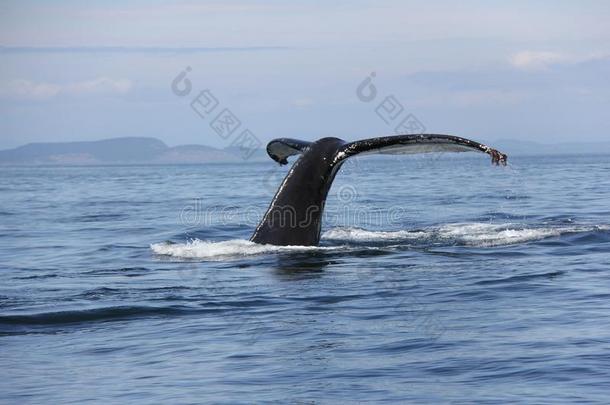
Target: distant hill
130	150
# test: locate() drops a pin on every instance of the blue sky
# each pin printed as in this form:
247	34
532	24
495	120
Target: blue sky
529	70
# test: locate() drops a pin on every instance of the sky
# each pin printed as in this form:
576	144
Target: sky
487	70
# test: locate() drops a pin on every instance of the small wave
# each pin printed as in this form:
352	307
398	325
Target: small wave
199	249
468	234
89	315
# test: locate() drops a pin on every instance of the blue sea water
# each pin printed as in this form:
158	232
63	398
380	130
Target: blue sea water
439	279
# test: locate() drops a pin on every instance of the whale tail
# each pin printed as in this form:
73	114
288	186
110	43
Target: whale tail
294	215
282	148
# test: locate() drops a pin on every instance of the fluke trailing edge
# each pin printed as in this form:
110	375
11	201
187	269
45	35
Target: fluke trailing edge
295	213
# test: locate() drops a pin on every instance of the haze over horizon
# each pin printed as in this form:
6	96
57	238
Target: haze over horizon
525	71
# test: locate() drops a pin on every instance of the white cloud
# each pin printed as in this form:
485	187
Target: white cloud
29	90
530	60
302	102
99	85
541	60
487	97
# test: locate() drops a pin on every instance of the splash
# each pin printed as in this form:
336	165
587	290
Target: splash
363	235
209	250
459	234
465	234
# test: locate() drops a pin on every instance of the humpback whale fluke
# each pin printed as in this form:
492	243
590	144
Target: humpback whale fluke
295	213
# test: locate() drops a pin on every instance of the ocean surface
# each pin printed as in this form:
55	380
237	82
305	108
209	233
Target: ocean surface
439	279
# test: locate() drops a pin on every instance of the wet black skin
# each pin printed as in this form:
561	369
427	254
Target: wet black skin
295	213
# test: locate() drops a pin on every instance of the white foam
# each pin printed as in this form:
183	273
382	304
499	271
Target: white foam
469	234
481	234
362	235
464	234
209	250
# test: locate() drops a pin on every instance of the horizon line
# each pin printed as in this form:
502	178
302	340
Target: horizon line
208	145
